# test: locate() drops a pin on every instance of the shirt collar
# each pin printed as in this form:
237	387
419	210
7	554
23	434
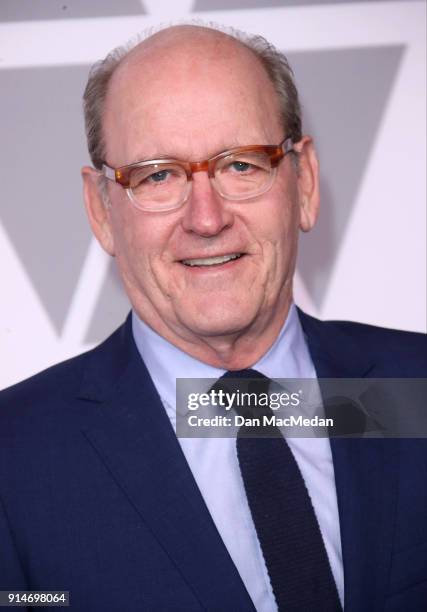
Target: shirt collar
288	357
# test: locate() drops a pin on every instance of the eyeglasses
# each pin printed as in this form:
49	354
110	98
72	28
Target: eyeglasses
239	174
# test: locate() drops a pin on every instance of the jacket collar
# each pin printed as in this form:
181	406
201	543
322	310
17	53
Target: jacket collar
335	351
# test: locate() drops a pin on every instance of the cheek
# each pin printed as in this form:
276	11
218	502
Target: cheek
131	244
280	244
281	232
141	249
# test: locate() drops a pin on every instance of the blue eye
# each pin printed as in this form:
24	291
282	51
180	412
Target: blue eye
159	177
241	166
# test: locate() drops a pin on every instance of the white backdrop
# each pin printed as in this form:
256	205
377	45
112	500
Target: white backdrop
361	68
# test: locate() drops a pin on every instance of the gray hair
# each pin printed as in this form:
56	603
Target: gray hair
273	61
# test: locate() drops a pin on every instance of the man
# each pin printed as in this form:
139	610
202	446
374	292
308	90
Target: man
98	495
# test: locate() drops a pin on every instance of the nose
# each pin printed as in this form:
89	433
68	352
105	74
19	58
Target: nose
205	212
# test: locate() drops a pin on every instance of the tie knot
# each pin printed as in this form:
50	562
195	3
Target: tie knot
250	388
247	373
253	378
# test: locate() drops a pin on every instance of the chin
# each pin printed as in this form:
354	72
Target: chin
218	322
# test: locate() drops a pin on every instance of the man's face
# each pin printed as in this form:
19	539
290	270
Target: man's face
191	102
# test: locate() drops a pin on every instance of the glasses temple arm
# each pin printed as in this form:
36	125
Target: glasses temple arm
108	172
287	146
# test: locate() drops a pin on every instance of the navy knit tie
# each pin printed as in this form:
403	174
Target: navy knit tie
283	515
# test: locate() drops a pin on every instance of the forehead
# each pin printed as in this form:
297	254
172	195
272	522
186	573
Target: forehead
188	93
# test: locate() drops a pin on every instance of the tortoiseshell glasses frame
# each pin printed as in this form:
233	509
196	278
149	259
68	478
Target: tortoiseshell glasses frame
158	185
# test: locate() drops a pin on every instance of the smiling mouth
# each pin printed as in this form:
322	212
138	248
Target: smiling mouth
211	261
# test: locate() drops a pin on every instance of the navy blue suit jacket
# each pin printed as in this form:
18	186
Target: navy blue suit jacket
96	496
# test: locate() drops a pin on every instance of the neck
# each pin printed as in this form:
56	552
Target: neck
235	351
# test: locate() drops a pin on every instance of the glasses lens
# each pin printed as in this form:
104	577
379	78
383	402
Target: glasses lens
158	186
243	175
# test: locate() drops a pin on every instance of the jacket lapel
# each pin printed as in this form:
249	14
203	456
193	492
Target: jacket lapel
131	432
365	477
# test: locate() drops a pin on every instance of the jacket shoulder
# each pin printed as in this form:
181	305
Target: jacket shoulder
373	335
382	338
390	352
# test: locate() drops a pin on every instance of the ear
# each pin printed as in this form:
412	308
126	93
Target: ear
308	183
97	209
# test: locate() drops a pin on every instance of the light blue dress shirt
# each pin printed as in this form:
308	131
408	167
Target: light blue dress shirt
214	464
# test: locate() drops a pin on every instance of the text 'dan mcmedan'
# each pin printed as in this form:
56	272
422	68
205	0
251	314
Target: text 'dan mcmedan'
264	421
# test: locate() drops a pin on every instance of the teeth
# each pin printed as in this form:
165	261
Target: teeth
211	261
